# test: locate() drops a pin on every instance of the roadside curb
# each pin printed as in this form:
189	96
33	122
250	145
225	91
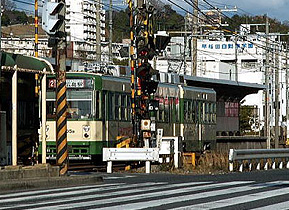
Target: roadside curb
49	182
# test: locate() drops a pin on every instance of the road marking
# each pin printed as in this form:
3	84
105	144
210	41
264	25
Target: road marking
94	196
117	177
111	200
80	191
246	198
164	201
37	192
279	206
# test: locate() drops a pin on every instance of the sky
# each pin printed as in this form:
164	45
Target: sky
278	9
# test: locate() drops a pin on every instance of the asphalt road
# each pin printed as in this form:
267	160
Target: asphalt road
249	190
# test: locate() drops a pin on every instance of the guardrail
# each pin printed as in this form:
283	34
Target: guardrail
262	157
130	154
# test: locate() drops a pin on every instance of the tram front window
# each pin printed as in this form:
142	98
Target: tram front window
79	104
79	109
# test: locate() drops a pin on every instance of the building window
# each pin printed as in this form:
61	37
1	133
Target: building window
231	109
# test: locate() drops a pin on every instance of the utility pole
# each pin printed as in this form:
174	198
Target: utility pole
0	41
236	57
194	38
98	36
277	92
0	47
110	33
185	46
267	97
287	95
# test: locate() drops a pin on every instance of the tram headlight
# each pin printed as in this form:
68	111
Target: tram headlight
86	128
86	131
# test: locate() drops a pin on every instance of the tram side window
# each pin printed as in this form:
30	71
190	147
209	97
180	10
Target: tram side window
117	107
123	107
97	105
172	110
194	111
185	111
214	113
161	112
177	110
51	109
200	112
203	115
167	110
190	111
206	105
110	106
128	108
50	105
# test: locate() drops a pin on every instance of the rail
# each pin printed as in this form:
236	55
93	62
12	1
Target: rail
258	157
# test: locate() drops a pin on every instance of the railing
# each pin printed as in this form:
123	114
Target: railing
262	157
130	154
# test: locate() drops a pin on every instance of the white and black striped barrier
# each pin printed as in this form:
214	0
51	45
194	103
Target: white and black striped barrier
259	158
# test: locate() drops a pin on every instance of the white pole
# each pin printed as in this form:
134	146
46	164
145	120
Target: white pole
109	167
43	108
182	124
148	166
176	152
14	118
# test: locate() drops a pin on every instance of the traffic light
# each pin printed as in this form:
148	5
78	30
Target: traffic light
53	17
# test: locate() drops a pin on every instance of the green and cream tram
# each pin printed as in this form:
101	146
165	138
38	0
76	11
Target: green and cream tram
99	110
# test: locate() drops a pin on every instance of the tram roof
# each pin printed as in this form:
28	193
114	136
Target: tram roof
227	90
12	61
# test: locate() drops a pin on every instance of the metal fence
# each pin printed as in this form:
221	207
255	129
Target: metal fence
258	159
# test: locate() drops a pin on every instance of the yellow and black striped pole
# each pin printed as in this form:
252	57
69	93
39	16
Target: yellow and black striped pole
61	123
37	82
132	66
61	104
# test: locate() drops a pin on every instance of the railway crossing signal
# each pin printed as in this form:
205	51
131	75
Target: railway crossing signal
53	18
162	40
146	76
53	22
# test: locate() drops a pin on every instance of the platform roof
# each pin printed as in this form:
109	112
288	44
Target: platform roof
12	62
226	90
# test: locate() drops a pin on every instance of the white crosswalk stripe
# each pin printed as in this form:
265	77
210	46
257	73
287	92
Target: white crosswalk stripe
187	195
243	199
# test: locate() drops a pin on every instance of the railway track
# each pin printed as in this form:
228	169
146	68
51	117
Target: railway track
86	167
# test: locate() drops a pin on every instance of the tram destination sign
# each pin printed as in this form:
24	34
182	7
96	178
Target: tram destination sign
73	83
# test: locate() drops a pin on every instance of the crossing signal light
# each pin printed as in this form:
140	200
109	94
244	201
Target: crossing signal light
53	18
146	48
145	73
149	87
162	41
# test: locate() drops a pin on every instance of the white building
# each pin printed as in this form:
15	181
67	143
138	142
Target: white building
81	24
